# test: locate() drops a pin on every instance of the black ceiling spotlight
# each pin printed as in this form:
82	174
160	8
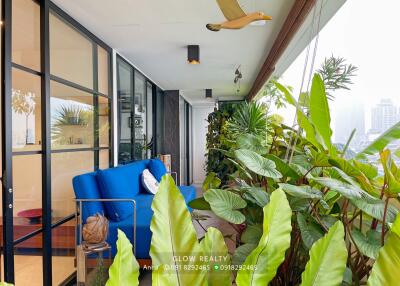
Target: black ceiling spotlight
193	54
208	93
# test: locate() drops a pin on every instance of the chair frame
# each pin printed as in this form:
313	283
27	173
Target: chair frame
78	217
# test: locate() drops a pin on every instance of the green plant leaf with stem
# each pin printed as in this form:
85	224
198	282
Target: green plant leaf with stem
328	258
174	236
310	231
213	246
251	142
305	192
200	204
386	269
252	234
262	264
319	112
226	205
211	182
242	252
381	142
283	167
258	164
368	247
125	268
376	209
256	195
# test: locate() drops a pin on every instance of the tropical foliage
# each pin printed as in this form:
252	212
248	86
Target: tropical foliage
324	187
304	213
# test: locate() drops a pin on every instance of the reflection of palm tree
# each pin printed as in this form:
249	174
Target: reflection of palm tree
24	103
71	121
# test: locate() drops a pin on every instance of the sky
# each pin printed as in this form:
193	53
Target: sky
367	34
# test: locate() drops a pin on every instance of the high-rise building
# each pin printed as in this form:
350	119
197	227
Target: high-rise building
383	116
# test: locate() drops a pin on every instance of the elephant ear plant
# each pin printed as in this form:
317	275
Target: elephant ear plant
324	185
174	239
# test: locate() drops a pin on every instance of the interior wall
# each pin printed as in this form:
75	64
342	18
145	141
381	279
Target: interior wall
199	119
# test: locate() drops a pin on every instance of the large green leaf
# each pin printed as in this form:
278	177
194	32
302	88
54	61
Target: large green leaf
376	209
214	247
305	192
200	204
367	246
256	195
226	204
390	168
382	141
283	167
251	142
310	231
242	252
386	270
174	236
302	118
125	268
211	182
257	163
319	111
261	265
347	190
252	234
327	259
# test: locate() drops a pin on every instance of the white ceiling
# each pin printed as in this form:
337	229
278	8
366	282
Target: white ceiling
153	35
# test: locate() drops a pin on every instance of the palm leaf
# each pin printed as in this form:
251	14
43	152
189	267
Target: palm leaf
174	235
327	259
261	265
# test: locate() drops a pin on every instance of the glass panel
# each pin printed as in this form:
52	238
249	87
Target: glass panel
27	181
26	111
150	138
140	116
26	33
125	90
28	261
104	159
71	54
65	166
63	243
71	117
104	121
103	68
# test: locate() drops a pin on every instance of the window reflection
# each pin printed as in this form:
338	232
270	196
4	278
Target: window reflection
71	54
104	121
26	115
140	116
71	117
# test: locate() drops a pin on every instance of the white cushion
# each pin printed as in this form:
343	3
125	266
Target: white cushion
149	182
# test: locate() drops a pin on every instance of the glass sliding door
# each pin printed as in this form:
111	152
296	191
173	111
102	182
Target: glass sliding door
80	127
57	119
134	113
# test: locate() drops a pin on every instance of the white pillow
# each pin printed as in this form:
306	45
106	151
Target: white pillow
149	182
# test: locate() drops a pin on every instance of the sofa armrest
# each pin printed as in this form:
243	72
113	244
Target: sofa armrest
79	221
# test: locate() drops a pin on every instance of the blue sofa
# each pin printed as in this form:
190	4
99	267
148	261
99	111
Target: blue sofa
123	182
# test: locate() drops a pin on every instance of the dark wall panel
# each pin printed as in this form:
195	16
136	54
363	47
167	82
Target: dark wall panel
171	136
